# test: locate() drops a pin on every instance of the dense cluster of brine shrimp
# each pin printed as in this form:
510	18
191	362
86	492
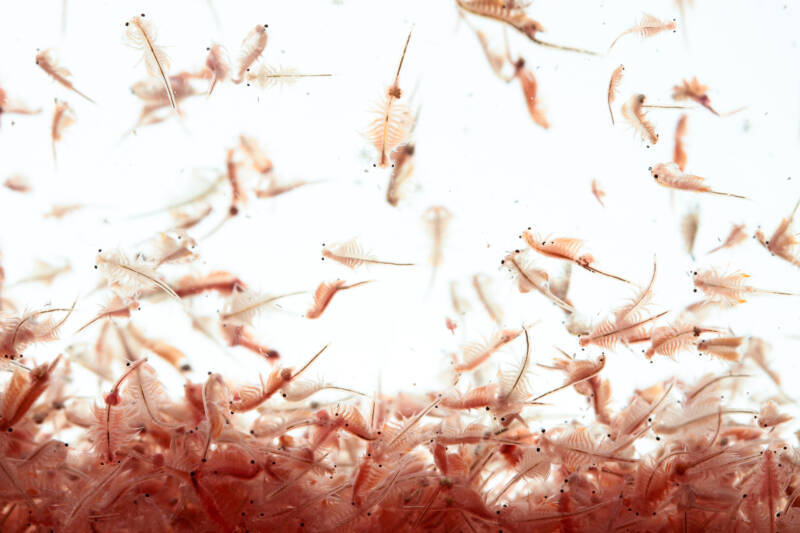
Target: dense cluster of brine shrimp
475	454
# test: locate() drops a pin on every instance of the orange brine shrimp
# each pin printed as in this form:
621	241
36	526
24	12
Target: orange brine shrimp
238	193
529	90
783	241
647	27
10	106
632	112
503	12
325	293
402	172
155	100
577	372
244	304
727	348
266	76
679	152
613	88
530	277
736	237
690	223
160	347
253	46
46	60
63	118
513	14
671	176
672	339
62	210
141	35
18	183
117	307
393	123
250	397
353	255
402	166
769	416
566	249
459	304
437	220
697	92
730	288
693	90
476	353
598	192
22	392
129	276
218	66
629	323
219	281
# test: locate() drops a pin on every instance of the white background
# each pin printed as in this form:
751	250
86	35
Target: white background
479	154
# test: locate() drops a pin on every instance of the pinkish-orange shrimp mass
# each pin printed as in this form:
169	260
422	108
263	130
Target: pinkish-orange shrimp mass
189	339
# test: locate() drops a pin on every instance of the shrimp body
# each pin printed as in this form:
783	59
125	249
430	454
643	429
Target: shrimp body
566	249
647	27
633	113
613	88
503	12
670	175
782	243
252	47
141	34
695	91
47	62
218	66
390	128
393	123
679	152
529	90
63	117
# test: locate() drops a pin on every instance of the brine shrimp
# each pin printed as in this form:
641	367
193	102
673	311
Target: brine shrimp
47	62
647	27
513	14
679	156
141	35
253	46
671	176
613	88
783	241
697	92
63	118
736	237
393	122
566	249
